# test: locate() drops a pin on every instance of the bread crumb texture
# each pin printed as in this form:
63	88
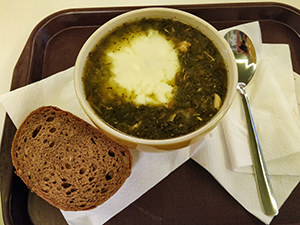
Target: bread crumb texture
67	161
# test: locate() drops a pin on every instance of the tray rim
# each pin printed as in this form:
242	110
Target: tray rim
50	18
44	22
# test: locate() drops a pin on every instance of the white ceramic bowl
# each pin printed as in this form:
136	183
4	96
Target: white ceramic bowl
166	13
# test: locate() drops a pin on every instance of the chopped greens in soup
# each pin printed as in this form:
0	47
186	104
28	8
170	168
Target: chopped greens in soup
155	79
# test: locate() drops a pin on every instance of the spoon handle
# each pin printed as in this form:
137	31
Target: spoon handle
260	171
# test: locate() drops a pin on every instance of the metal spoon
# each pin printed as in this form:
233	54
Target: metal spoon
245	56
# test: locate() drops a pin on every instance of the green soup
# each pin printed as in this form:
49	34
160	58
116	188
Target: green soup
187	82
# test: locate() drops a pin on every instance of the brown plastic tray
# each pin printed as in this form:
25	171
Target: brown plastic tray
189	195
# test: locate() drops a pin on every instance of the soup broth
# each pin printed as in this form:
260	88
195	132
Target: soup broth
155	79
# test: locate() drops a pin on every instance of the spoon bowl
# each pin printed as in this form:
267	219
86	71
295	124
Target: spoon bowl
246	60
244	53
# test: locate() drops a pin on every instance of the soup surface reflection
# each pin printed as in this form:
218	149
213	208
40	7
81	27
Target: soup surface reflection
155	79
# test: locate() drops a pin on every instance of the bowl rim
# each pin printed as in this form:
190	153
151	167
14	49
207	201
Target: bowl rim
165	13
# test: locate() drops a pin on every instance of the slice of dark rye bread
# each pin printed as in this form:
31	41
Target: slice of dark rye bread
67	161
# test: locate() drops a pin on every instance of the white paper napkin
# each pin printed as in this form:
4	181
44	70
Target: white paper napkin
212	154
148	168
272	94
274	105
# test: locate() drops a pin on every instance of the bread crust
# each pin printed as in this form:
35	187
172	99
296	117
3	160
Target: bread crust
68	162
